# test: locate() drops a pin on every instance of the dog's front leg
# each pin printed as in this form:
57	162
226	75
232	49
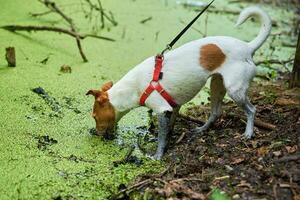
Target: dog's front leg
163	131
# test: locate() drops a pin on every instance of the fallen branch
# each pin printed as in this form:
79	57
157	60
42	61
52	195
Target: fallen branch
257	122
14	28
192	119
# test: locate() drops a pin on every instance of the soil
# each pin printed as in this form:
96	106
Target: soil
264	167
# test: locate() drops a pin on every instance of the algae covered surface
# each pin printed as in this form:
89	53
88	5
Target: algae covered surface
47	151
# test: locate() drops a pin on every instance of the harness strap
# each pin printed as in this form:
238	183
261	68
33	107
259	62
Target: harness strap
158	66
155	85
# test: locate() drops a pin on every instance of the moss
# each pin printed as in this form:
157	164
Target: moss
78	165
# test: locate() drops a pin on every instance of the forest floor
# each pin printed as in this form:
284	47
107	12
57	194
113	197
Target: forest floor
264	167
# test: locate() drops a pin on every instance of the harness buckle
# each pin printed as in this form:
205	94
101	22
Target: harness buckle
161	75
159	57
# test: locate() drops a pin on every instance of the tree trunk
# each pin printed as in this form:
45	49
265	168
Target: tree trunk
295	76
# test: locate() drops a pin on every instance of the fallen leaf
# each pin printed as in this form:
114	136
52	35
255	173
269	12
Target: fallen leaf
277	153
262	151
243	183
237	161
292	149
286	102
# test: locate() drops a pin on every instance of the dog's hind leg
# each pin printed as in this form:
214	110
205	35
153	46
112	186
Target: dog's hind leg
238	92
217	94
249	109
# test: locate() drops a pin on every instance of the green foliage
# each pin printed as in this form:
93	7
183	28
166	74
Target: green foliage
219	195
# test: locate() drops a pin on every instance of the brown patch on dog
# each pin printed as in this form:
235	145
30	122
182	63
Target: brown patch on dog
103	111
211	57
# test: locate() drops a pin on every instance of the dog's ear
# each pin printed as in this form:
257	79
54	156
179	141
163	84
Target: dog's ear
106	86
101	97
93	92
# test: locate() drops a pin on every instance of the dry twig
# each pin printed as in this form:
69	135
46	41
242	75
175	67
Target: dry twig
14	28
52	6
103	14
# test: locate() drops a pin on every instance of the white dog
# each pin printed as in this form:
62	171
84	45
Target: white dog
185	71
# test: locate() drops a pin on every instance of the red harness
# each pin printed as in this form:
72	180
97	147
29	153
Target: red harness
155	85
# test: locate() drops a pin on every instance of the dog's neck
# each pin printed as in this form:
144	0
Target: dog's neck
124	96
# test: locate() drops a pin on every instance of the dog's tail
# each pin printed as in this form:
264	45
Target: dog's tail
265	27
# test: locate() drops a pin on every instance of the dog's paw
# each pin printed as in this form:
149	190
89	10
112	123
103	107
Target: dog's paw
157	156
248	135
154	157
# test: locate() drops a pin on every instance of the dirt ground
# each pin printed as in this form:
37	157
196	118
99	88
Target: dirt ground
265	167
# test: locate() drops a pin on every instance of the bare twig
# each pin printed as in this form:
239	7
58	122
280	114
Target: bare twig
189	118
14	28
52	6
181	137
193	28
131	188
102	13
257	122
145	20
41	14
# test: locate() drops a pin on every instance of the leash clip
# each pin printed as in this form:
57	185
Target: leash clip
168	48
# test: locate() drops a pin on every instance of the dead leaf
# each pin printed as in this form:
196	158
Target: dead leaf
277	153
262	151
292	149
237	161
244	183
286	102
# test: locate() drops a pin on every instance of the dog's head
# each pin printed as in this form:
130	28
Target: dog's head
103	111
